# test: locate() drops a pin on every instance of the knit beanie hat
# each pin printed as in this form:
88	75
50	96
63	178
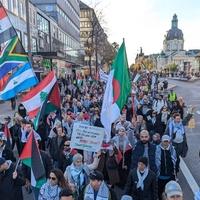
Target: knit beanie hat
143	160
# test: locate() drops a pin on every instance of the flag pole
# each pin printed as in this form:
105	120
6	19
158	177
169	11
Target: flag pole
17	164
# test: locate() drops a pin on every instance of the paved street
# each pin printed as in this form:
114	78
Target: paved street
191	93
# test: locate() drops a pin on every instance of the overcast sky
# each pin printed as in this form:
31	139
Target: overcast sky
143	23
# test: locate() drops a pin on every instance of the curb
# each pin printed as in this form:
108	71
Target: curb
190	80
171	87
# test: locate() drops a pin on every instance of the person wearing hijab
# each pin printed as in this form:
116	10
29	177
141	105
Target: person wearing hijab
121	142
77	174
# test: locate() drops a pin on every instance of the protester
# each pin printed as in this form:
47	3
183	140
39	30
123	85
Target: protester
144	148
56	144
145	118
166	163
52	188
28	128
97	188
16	132
124	147
66	194
5	151
66	156
177	134
141	183
11	181
172	96
173	191
77	174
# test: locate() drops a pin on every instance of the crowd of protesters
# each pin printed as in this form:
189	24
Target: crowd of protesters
141	160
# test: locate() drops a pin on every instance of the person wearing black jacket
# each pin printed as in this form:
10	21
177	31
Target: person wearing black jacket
66	156
22	110
16	133
141	183
97	188
11	181
56	144
6	152
144	148
153	123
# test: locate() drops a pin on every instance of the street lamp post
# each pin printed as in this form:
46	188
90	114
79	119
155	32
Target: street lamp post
28	30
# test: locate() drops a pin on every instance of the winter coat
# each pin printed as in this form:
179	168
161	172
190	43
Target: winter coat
65	160
54	148
11	189
112	195
109	167
8	154
159	158
150	191
139	151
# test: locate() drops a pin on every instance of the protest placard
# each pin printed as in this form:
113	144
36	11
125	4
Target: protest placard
87	137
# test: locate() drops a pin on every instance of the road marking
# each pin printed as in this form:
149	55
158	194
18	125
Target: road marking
190	179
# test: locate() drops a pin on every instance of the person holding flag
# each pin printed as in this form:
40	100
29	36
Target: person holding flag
5	151
33	167
28	129
11	181
118	89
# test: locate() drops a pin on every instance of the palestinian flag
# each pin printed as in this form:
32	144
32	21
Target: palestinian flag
31	157
51	104
7	135
36	97
118	88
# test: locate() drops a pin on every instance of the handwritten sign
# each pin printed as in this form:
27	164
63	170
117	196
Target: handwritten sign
87	137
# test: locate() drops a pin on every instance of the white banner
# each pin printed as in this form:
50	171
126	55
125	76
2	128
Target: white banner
87	137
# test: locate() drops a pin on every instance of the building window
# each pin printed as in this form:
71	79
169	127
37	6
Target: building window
26	42
41	43
34	18
34	44
22	12
43	24
62	14
15	6
10	5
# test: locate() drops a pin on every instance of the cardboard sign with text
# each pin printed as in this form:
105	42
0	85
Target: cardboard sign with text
87	137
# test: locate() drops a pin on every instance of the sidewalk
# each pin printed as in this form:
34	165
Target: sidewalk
184	79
